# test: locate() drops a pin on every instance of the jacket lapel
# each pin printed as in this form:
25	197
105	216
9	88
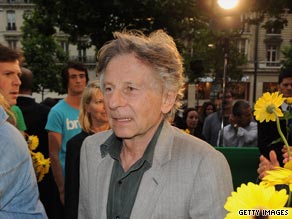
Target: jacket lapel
154	179
103	175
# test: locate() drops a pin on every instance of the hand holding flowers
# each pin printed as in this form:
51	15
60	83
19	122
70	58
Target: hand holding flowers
264	196
40	164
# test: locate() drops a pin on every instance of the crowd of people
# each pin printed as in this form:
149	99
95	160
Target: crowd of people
121	146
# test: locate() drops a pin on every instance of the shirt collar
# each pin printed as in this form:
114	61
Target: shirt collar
113	146
284	106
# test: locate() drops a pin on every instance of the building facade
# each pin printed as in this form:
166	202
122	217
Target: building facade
263	49
11	20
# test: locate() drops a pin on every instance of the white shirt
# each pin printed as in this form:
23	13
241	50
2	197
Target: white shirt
240	137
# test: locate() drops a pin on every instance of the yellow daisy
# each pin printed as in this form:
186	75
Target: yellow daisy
254	197
267	107
40	164
33	142
278	176
288	165
289	100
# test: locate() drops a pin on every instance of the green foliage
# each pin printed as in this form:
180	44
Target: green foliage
42	53
182	19
287	52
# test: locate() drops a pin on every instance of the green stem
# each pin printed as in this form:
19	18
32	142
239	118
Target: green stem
282	136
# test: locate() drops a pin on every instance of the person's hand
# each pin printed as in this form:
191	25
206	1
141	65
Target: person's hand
233	121
285	154
266	164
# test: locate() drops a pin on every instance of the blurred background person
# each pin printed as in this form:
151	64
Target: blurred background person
63	122
267	131
217	120
92	119
10	72
35	117
270	148
242	130
206	109
20	122
18	185
191	119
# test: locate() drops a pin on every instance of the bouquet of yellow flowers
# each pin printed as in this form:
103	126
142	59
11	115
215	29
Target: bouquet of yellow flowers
40	164
263	200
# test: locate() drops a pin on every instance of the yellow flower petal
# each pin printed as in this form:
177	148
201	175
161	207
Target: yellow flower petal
33	142
278	176
289	100
288	165
267	107
253	196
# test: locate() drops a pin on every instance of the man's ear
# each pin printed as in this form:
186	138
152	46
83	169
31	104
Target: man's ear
168	101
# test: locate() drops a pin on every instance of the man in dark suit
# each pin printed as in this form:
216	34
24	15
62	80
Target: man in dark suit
35	117
271	149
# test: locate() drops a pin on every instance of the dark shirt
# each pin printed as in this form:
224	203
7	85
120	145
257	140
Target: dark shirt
269	139
124	186
35	117
72	174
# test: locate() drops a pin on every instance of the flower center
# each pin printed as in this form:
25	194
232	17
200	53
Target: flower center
270	108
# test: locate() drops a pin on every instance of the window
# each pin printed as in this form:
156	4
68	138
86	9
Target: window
245	26
272	54
11	20
82	55
12	44
243	46
65	46
270	87
205	90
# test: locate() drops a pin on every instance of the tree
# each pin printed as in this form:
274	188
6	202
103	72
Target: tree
42	53
96	20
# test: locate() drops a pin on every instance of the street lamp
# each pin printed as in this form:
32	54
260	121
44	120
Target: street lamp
228	4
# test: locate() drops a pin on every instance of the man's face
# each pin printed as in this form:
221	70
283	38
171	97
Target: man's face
133	99
9	81
285	87
245	117
227	101
77	81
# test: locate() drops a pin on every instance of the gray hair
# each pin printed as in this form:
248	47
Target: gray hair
158	49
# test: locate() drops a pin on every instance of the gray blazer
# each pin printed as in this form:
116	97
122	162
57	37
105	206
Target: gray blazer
188	179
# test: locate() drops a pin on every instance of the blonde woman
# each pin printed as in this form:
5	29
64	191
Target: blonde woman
92	119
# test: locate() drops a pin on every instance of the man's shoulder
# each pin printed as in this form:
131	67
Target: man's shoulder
59	105
190	143
99	137
211	121
212	116
12	143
